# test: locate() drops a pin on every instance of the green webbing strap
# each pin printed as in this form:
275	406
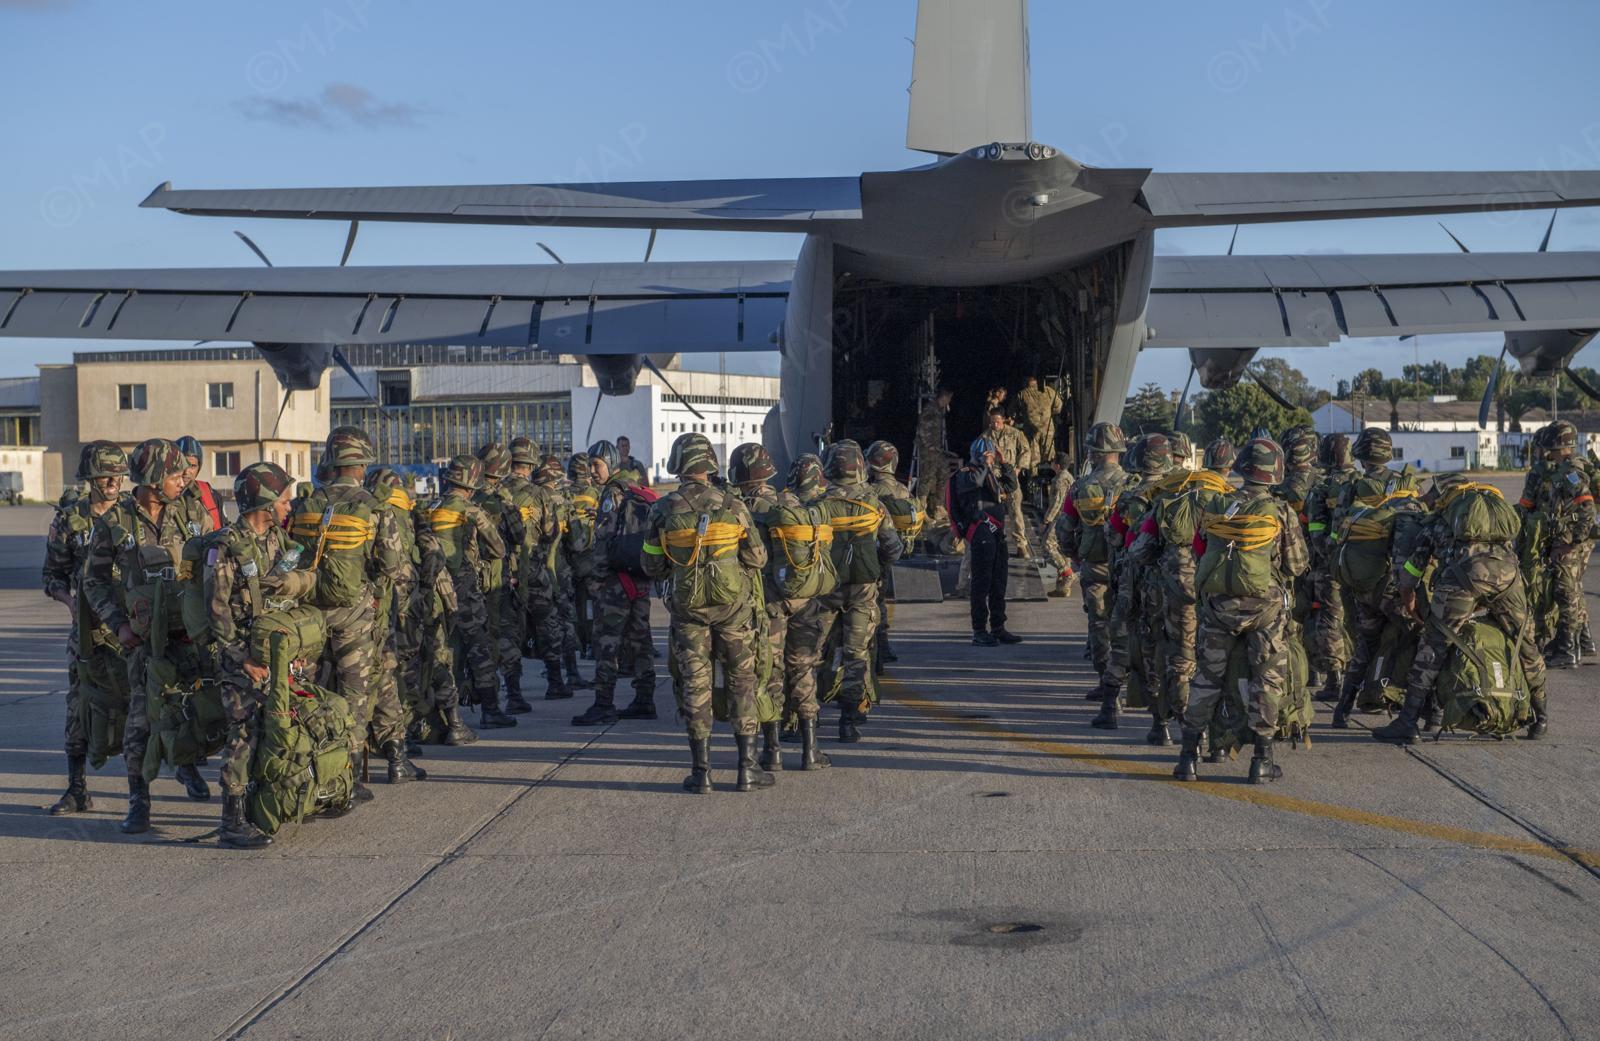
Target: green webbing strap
1413	570
1316	526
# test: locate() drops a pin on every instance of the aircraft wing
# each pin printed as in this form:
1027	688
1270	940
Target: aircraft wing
1178	200
1313	301
562	308
794	204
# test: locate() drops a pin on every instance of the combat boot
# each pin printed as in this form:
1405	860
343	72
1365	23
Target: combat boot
237	832
1100	692
811	757
849	732
1540	726
138	816
76	798
1565	658
596	715
1402	729
699	779
1106	718
401	769
1347	701
640	707
489	714
575	680
194	786
456	732
1185	770
1158	735
771	751
1430	719
555	687
750	776
516	704
1585	643
1262	769
1333	687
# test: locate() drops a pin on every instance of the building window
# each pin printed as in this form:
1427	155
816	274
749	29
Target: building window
131	397
219	395
225	464
1458	451
1399	453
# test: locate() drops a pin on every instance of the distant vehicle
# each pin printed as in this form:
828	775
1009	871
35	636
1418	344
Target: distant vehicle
11	488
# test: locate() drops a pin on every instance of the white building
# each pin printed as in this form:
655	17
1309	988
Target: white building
1439	433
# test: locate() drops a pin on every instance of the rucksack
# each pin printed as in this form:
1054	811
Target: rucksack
1482	688
194	578
702	550
1230	726
1384	686
905	513
337	541
800	566
302	631
184	709
102	705
1533	543
633	525
1481	514
301	763
1241	544
1093	508
855	539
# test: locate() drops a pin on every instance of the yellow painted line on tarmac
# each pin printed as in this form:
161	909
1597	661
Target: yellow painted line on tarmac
1253	794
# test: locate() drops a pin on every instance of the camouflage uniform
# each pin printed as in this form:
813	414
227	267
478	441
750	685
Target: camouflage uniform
1060	488
545	522
621	614
1256	621
398	660
1330	643
436	710
576	564
1133	596
96	673
497	578
882	461
1082	528
1567	498
933	471
1015	454
1039	406
853	605
113	559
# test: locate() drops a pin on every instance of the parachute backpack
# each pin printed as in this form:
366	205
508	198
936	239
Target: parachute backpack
702	550
1479	513
1365	538
301	764
800	566
1240	544
1482	688
337	540
906	514
854	522
633	524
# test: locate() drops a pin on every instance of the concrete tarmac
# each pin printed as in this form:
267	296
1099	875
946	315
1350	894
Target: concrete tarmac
982	864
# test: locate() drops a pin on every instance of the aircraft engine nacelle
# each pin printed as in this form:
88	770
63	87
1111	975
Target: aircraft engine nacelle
298	366
1544	353
1220	367
615	374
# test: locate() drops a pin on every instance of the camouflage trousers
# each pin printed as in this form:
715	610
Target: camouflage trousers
241	700
1369	616
1017	524
435	687
777	647
473	646
390	697
543	622
1260	624
1095	581
855	607
933	476
622	633
1118	626
1483	582
97	683
408	648
1568	561
1330	644
575	610
353	649
1181	626
1052	538
136	730
701	639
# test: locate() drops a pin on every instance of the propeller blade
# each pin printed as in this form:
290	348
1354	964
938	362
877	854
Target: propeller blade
552	253
1458	242
1489	391
1272	392
1581	384
668	384
589	433
1233	241
649	247
344	363
253	247
1183	399
349	242
281	409
1544	246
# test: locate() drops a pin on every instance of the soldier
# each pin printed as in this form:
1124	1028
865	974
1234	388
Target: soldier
933	461
1330	645
1039	406
398	662
805	487
96	673
1477	573
883	459
977	495
126	548
1567	498
497	578
621	593
1086	542
626	461
352	542
1060	488
252	572
702	541
194	488
864	543
1011	457
534	486
1253	551
1154	460
438	699
577	619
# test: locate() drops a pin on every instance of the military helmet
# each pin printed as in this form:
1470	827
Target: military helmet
1155	453
607	453
1182	447
1374	445
1219	456
102	459
1295	433
349	446
525	452
155	460
464	471
805	473
496	460
692	454
1336	451
191	447
1260	462
979	447
259	485
381	480
549	467
750	464
844	463
883	457
1442	483
1302	451
1106	438
578	467
1562	435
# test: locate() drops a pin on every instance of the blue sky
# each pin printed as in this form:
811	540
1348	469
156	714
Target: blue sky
105	100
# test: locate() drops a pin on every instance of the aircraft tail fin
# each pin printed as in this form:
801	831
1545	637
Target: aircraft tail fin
969	78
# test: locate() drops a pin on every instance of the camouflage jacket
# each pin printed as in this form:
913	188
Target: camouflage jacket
467	537
1568	498
497	502
66	552
386	554
114	549
1322	505
242	587
608	524
1297	490
931	439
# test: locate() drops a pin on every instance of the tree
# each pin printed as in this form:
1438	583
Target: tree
1342	390
1522	399
1236	412
1148	411
1286	380
1393	391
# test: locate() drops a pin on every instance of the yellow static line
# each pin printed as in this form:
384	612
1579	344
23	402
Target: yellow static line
900	693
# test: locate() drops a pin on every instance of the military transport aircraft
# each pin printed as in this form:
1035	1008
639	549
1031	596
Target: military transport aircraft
1001	257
